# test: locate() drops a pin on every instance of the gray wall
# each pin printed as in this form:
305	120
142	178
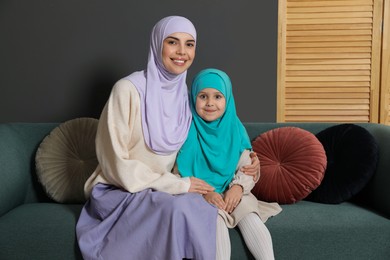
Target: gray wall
59	59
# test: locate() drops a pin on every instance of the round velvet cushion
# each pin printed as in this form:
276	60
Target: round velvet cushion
292	164
352	154
66	158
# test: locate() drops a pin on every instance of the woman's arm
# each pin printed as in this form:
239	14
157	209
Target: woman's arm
197	185
252	169
121	152
245	180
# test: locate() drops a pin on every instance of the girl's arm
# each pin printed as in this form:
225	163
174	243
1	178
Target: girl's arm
240	185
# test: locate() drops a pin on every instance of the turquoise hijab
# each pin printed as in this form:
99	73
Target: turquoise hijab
213	149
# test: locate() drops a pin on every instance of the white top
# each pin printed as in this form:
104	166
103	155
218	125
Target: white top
124	159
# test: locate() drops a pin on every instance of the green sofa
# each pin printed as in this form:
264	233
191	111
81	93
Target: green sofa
34	227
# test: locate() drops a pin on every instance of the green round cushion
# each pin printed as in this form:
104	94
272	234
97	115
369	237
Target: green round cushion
66	158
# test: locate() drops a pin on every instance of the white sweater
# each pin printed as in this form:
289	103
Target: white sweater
124	159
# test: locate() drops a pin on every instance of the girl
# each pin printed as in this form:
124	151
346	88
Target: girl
216	148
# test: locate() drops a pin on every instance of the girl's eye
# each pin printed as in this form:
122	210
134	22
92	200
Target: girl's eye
202	96
218	96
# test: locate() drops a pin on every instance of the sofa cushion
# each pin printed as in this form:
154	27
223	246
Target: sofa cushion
40	231
66	158
310	230
352	155
292	163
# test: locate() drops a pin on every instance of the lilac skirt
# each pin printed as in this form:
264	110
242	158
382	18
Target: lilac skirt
115	224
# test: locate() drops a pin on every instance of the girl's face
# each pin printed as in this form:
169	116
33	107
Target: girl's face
210	104
178	52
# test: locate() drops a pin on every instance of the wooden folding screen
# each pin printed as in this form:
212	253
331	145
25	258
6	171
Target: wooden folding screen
329	60
385	69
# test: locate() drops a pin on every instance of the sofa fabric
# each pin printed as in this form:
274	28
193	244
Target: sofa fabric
33	226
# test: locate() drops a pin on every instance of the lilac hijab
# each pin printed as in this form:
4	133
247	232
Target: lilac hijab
165	111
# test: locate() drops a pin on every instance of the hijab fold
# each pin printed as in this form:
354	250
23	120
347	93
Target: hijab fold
213	149
165	112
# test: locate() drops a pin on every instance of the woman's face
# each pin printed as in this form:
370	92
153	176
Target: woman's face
178	52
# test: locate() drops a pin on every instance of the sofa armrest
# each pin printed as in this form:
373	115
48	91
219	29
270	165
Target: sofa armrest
13	171
377	191
18	146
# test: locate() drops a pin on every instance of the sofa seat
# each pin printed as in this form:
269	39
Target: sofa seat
34	230
362	232
40	231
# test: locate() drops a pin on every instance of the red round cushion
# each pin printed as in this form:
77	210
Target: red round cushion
292	164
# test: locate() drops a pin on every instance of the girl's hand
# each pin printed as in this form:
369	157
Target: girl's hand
233	197
254	168
199	186
215	199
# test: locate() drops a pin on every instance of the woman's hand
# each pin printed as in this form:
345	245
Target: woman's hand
254	168
215	199
199	186
233	197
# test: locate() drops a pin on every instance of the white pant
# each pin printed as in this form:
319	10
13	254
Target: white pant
256	236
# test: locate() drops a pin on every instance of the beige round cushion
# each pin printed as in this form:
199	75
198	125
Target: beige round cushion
66	158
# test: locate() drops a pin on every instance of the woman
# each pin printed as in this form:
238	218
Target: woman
138	209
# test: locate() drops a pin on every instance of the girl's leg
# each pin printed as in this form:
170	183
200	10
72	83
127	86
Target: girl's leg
256	236
223	240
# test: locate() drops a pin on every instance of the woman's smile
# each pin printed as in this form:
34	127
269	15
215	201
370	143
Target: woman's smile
179	62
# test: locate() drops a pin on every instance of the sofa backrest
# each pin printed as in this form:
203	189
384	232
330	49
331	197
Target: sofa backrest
20	141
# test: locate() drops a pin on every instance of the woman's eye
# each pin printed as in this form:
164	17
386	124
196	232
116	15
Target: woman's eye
170	41
190	43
